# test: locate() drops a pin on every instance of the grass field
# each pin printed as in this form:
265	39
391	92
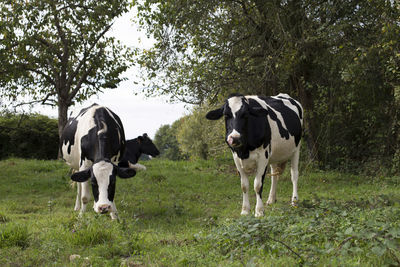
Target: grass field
188	214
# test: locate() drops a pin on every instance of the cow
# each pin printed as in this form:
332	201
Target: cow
134	149
92	144
262	131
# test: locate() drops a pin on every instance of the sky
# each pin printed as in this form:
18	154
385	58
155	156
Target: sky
138	114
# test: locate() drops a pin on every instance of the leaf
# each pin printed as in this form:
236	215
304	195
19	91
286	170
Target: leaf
349	231
379	251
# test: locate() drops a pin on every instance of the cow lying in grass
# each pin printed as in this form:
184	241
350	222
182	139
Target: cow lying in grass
262	131
134	149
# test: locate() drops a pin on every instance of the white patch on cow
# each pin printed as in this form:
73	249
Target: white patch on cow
137	166
235	103
103	129
102	171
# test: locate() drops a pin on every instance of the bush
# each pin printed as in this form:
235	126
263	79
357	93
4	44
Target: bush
28	136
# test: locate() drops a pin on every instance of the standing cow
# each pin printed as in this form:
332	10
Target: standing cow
92	144
262	131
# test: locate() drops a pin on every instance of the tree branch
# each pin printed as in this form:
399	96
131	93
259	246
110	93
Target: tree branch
289	248
43	101
49	45
37	71
79	84
83	60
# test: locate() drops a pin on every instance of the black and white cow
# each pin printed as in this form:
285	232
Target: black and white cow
134	149
262	131
92	144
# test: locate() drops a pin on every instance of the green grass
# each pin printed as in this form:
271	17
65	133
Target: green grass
188	214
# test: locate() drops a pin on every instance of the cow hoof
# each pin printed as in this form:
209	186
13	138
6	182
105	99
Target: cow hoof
77	208
259	214
294	203
271	201
245	212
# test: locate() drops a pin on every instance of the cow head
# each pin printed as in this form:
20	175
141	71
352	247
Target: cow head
103	179
147	147
236	111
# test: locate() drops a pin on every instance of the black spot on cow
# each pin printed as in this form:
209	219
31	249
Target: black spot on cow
95	188
289	116
112	185
294	103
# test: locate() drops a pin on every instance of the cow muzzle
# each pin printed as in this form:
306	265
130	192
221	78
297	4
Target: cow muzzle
104	209
234	139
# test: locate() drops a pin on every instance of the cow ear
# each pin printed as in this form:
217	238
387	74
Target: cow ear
258	111
125	172
215	114
81	176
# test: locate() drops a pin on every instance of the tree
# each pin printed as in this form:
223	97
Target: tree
166	142
199	137
339	58
58	53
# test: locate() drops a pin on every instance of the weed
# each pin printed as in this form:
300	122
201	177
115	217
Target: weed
14	235
3	218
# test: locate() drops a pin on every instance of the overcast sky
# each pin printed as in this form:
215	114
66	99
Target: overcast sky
138	114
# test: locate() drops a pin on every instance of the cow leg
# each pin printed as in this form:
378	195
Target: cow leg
294	171
244	181
78	196
85	195
274	182
258	186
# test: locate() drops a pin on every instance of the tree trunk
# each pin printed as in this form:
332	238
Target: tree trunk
62	119
306	99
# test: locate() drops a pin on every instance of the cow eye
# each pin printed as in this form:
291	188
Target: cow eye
227	116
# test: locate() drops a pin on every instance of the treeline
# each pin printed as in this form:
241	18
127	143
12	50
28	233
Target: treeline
340	59
28	136
191	137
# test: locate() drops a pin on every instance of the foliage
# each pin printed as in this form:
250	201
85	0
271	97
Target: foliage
58	52
28	136
340	59
318	230
166	141
199	137
180	213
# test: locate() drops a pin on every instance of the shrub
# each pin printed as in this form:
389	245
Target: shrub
28	136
